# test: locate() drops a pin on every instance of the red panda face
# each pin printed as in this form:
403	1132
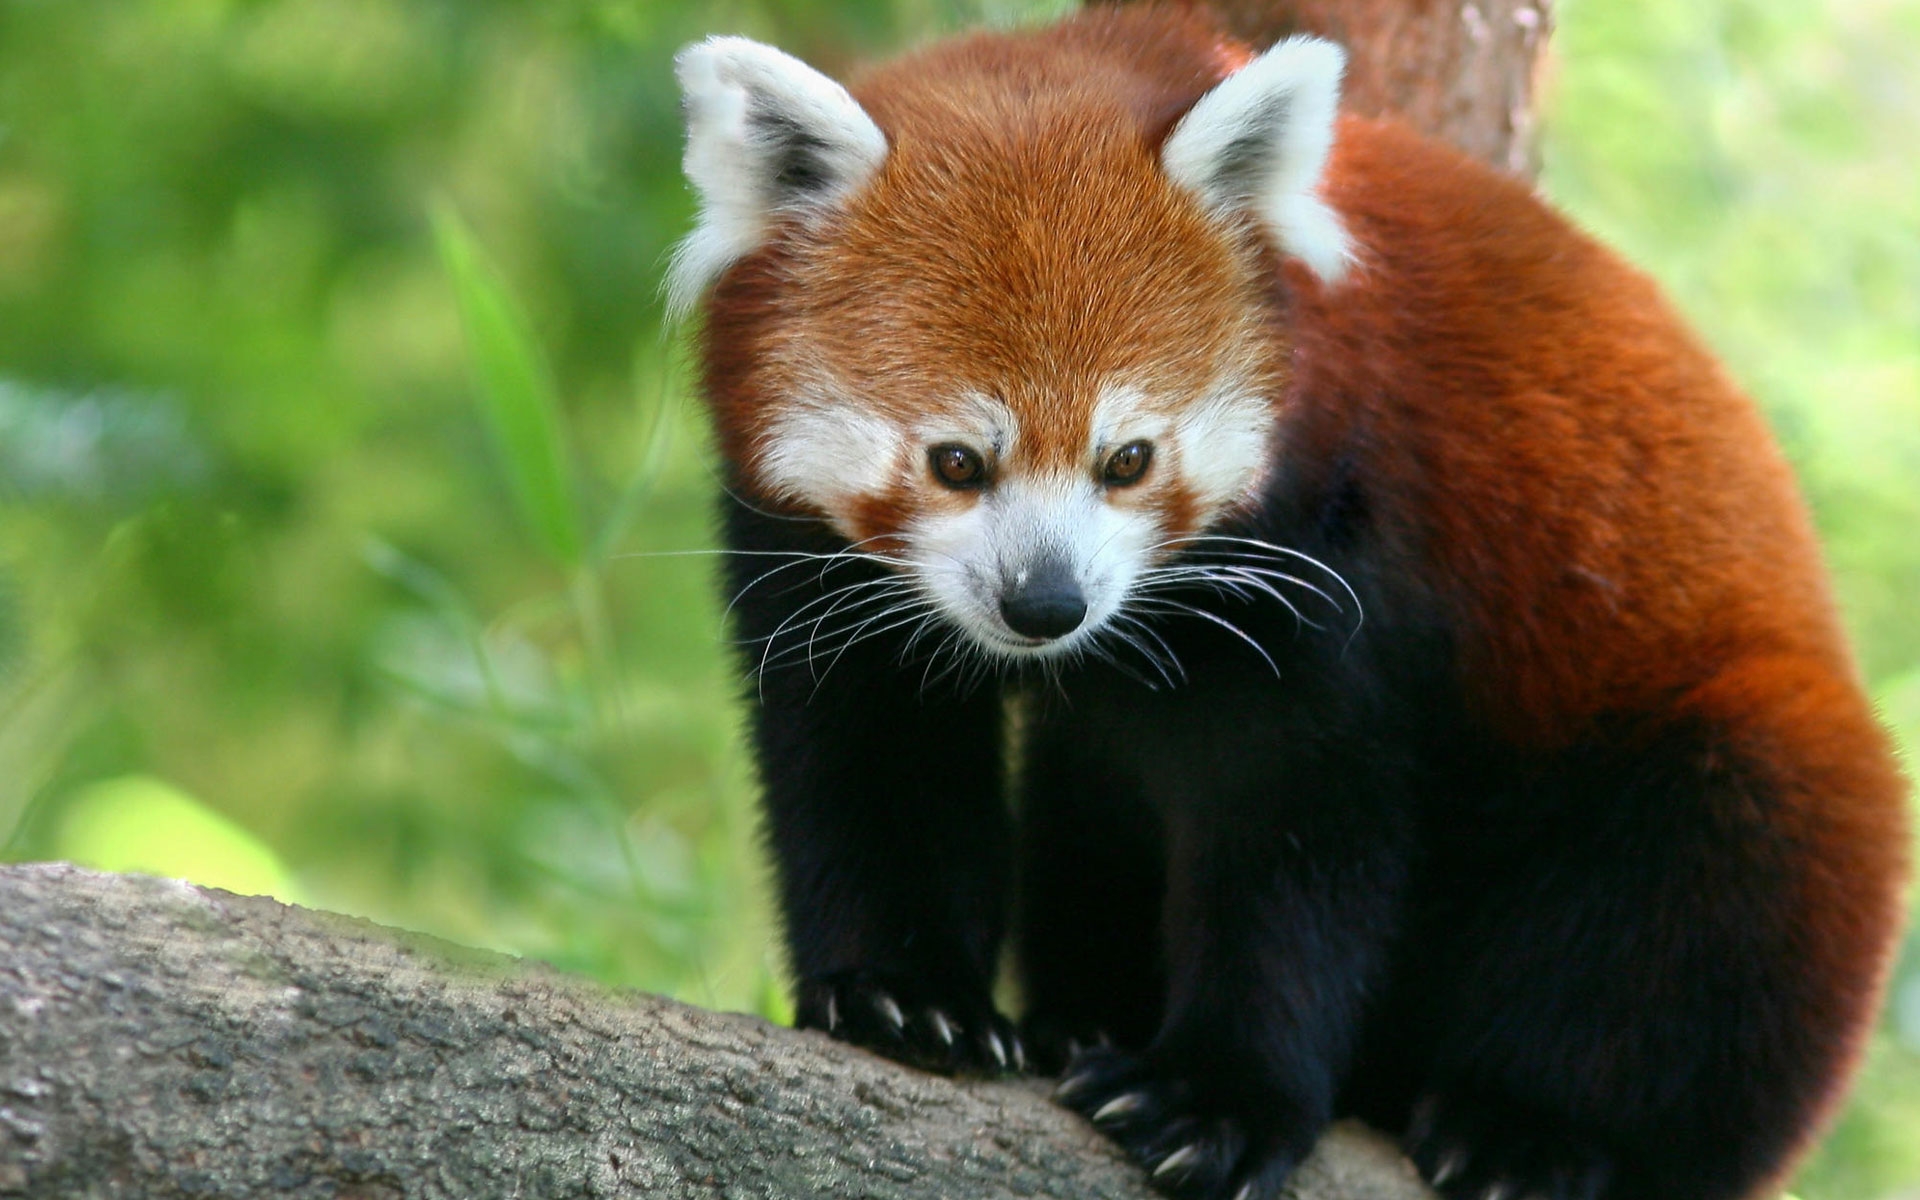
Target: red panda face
1015	344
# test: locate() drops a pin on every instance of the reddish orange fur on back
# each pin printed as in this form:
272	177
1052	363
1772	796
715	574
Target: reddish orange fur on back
1614	510
1604	513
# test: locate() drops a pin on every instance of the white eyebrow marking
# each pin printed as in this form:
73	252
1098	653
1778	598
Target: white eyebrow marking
1220	442
980	420
1122	414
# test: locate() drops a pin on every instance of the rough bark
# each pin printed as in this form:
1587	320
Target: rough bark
1463	72
162	1040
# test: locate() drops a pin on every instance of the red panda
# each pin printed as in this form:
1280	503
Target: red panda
1430	704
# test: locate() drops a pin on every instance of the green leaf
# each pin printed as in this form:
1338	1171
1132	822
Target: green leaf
139	823
516	393
656	379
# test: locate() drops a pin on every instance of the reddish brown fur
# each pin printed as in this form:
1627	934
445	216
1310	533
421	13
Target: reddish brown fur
942	278
1602	513
1601	508
1664	531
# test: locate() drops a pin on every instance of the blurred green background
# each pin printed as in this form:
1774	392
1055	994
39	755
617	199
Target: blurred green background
343	459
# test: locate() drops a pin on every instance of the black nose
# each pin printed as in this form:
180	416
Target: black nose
1046	604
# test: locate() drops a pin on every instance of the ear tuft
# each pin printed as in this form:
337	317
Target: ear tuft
766	135
1258	142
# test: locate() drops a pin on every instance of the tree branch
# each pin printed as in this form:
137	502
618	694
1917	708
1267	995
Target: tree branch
163	1040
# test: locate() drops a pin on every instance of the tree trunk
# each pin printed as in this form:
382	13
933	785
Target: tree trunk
162	1040
1460	72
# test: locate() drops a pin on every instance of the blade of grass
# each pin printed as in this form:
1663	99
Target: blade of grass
441	596
657	379
516	393
13	626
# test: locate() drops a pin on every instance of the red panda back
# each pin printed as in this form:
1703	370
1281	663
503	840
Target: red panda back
1605	512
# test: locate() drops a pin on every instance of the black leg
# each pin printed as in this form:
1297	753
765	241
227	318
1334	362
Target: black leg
1091	877
1284	883
885	812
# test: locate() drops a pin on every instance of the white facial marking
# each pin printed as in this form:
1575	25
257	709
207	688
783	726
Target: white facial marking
981	422
766	134
1258	142
1221	443
1225	443
967	560
1121	415
826	451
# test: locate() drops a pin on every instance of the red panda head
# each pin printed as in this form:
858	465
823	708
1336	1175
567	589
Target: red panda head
1008	318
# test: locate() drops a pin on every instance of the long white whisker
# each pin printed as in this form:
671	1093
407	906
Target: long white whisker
847	601
1251	568
1287	551
907	614
1140	647
1229	578
1222	622
830	597
717	551
1171	659
832	561
880	597
1182	577
927	678
849	553
836	596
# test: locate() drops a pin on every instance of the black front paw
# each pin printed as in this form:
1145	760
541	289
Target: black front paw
910	1021
1195	1142
1471	1149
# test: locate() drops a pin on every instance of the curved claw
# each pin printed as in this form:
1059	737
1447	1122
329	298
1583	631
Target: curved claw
1176	1162
1120	1107
943	1026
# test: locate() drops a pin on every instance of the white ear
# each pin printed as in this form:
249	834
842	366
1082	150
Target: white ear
766	134
1257	142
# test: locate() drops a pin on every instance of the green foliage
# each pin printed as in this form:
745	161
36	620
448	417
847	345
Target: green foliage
138	823
1757	155
364	540
516	392
13	634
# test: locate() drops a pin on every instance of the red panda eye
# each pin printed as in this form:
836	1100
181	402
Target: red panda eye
957	466
1127	464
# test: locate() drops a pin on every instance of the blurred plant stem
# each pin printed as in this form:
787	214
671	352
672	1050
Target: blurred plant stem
588	590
